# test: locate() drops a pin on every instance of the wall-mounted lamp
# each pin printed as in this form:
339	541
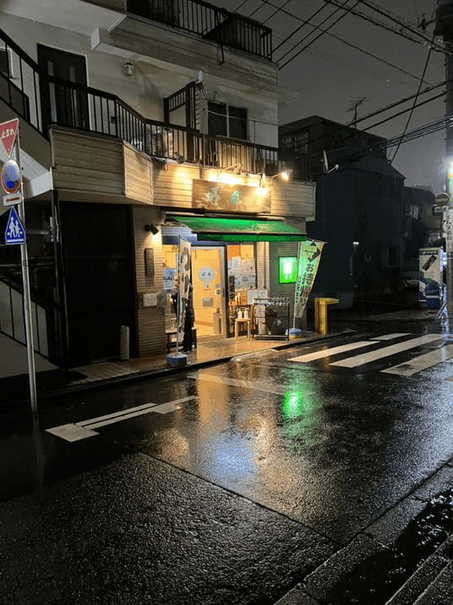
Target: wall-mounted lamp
285	175
152	228
128	68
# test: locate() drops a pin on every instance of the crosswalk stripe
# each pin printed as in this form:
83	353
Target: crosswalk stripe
333	351
391	336
422	362
359	360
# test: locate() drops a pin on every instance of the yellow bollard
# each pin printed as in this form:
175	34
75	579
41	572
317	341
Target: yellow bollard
321	323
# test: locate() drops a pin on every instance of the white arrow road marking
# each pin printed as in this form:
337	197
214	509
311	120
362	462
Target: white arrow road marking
422	362
71	432
82	430
359	360
333	351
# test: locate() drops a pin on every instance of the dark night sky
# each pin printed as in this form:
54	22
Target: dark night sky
329	76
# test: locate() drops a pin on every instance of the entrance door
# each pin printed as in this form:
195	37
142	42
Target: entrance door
208	278
63	104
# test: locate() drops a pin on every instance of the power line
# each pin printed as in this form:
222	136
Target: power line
409	27
422	131
277	10
300	51
303	24
378	23
400	102
409	118
345	42
356	134
255	10
240	5
337	10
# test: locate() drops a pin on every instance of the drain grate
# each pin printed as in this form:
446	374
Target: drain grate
378	578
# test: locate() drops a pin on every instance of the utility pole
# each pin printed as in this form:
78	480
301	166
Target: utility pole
444	28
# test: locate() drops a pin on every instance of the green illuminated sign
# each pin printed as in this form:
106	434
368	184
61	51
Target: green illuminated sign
287	269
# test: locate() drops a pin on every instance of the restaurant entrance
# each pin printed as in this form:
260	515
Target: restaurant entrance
209	289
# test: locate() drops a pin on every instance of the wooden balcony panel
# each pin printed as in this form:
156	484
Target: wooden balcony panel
99	169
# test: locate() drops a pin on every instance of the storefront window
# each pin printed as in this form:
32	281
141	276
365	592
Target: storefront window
241	271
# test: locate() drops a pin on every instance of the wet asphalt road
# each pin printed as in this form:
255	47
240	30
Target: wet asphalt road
233	495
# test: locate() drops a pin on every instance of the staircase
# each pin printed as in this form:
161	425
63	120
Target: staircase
13	353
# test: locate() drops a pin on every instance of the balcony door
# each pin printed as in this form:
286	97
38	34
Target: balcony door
64	103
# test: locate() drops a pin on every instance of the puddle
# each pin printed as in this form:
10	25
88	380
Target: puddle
377	578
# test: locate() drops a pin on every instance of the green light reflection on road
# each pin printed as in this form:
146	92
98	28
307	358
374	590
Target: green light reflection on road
293	405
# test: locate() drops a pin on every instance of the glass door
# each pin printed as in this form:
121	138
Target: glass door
208	279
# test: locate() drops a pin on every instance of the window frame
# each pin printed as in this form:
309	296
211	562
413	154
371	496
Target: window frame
227	117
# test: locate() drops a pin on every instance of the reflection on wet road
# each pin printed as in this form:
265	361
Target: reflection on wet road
331	447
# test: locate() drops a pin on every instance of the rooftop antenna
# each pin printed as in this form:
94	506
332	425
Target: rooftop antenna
354	109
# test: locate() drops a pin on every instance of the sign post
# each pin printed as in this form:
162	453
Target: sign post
15	234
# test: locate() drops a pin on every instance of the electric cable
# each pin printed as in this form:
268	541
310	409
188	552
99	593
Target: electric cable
400	102
289	51
303	24
357	133
240	5
409	118
300	51
345	42
409	27
378	23
277	10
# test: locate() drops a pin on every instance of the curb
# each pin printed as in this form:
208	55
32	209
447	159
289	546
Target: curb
145	374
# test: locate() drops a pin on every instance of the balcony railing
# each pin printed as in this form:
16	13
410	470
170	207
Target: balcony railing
44	101
209	22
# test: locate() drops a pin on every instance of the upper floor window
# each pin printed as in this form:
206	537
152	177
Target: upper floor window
296	143
227	121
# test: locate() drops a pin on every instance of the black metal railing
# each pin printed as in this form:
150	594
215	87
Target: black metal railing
12	319
93	110
44	101
20	82
209	22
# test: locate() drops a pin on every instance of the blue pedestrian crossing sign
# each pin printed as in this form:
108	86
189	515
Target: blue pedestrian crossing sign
14	232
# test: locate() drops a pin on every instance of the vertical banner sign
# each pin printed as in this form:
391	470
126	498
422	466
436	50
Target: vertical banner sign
431	287
307	268
184	279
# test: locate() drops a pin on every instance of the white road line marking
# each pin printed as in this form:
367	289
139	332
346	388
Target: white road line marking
81	430
71	432
392	336
359	360
267	387
422	362
116	414
333	351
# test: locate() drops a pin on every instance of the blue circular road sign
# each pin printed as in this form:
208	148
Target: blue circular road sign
11	177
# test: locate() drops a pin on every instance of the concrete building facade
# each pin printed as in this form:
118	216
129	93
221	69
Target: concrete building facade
126	110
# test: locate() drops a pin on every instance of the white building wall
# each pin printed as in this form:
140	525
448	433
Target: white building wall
149	84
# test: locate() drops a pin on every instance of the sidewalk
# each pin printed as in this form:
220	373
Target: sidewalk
14	390
208	351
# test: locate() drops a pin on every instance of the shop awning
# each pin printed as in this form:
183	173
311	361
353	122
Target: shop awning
240	230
